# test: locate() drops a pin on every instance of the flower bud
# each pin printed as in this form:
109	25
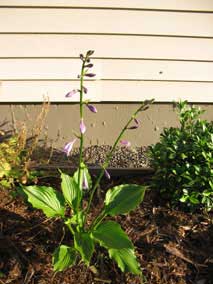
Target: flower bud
68	147
71	93
89	65
90	75
90	52
82	126
107	175
92	108
85	90
85	183
125	143
133	127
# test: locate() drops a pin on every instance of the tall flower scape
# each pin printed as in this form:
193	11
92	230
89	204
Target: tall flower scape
118	200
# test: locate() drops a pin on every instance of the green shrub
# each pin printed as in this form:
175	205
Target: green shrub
183	160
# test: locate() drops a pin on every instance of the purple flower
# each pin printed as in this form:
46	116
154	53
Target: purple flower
107	175
71	93
85	90
68	147
92	108
82	126
85	183
90	75
125	143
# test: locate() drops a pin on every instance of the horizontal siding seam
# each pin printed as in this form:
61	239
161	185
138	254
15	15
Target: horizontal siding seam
99	80
108	58
108	8
110	34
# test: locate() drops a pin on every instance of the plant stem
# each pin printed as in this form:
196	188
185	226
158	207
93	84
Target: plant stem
82	135
70	228
97	220
108	158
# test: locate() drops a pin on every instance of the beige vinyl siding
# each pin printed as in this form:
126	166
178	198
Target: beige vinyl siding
110	69
187	5
138	47
44	20
104	91
143	49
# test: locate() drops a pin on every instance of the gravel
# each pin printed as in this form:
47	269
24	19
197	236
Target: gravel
123	157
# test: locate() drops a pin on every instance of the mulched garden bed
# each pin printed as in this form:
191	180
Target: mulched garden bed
172	247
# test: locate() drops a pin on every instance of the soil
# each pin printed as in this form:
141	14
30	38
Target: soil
172	247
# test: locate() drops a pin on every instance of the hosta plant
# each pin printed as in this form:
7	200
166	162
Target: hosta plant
183	160
118	200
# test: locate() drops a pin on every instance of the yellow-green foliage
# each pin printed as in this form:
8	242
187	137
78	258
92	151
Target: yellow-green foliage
11	161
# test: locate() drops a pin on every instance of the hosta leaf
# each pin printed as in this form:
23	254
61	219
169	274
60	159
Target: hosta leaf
85	173
70	190
63	257
47	199
110	235
126	260
85	245
123	198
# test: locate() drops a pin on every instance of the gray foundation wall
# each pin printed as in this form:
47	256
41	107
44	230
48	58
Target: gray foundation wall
102	128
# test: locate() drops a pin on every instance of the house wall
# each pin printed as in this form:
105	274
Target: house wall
143	49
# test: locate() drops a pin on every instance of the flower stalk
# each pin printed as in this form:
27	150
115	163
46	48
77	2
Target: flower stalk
142	107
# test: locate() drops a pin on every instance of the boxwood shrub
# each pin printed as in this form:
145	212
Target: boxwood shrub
183	160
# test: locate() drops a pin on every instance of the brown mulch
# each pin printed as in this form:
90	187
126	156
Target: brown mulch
172	247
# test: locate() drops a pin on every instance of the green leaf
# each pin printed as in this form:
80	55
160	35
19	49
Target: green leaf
63	257
70	190
193	200
126	260
85	245
123	198
45	198
110	235
85	172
